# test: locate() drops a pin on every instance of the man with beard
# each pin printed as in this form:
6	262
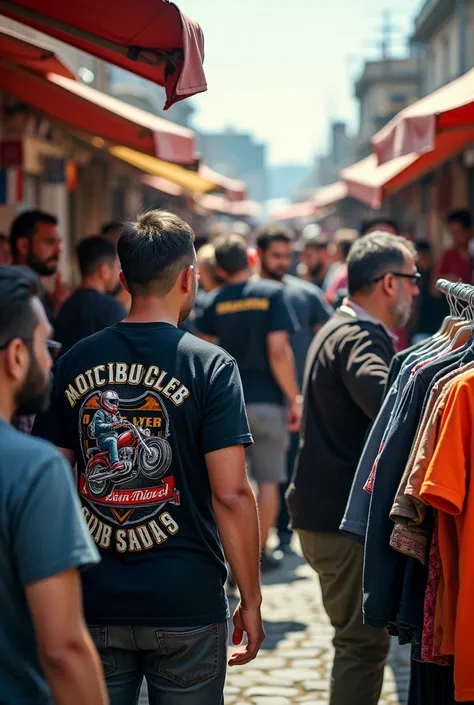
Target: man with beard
315	257
92	307
345	376
274	243
36	244
47	654
156	605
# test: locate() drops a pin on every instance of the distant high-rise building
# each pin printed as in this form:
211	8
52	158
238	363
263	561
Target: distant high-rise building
239	156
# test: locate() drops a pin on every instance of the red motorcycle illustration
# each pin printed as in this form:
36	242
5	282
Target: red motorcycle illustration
139	452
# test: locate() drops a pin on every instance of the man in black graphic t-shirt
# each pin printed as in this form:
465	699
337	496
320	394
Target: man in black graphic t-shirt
180	488
92	306
252	320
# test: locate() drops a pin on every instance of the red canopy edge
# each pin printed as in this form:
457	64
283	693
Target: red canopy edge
150	38
32	55
371	183
416	128
97	114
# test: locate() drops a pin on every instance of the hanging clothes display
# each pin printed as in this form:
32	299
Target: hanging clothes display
412	505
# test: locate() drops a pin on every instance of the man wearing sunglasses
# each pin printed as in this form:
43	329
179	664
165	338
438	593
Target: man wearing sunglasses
47	654
345	375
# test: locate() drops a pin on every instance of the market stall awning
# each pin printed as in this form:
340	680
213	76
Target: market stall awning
32	55
158	183
221	204
98	114
331	194
371	183
234	189
418	127
150	38
189	180
296	211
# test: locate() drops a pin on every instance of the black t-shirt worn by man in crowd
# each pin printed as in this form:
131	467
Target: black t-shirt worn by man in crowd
241	316
346	371
87	311
179	398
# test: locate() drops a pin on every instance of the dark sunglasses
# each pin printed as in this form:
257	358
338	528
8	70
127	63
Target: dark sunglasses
415	278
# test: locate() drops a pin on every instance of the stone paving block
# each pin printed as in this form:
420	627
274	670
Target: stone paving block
270	692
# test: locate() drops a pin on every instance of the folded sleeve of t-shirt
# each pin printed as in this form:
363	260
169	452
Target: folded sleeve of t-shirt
225	420
444	486
281	315
48	531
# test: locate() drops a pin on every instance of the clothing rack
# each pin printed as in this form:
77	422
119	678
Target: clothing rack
459	290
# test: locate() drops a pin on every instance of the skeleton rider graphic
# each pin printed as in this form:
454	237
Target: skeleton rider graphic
104	427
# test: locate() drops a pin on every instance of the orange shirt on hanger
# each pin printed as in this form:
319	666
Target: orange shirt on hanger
447	486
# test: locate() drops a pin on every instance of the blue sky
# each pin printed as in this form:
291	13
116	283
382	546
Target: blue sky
281	68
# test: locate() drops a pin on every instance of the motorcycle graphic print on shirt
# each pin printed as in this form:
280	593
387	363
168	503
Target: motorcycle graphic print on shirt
125	483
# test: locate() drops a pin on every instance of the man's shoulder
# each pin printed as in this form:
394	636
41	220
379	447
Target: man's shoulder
24	455
343	326
300	285
207	352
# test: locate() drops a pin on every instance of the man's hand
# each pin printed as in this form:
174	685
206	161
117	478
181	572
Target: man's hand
247	620
295	413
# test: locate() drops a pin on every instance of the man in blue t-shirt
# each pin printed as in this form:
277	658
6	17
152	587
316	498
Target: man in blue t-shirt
179	498
252	319
47	653
274	243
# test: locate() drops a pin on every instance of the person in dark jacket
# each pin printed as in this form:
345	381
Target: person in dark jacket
345	374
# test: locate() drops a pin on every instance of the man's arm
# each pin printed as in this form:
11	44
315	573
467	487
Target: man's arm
66	652
363	366
235	509
282	364
224	434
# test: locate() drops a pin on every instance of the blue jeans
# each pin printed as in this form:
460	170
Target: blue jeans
110	443
182	666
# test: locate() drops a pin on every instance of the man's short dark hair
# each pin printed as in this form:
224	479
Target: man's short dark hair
231	253
368	225
423	247
109	227
463	217
319	242
92	252
266	234
18	285
25	226
152	249
373	255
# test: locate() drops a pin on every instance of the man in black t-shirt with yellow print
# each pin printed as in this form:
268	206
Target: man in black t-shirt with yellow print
252	320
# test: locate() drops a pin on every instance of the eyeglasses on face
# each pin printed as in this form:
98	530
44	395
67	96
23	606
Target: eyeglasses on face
53	346
415	277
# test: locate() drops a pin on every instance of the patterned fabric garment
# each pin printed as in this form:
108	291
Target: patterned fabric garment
430	652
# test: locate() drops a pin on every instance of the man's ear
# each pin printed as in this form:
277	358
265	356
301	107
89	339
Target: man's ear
23	246
123	282
17	360
188	278
221	273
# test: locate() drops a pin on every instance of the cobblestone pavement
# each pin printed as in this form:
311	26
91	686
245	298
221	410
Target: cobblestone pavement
294	663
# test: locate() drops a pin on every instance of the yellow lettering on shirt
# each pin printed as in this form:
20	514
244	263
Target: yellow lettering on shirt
224	307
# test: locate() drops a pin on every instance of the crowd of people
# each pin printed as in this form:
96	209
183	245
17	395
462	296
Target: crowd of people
159	425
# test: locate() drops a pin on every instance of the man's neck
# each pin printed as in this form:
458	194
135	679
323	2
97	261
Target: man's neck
264	275
7	406
239	277
93	283
152	310
379	313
